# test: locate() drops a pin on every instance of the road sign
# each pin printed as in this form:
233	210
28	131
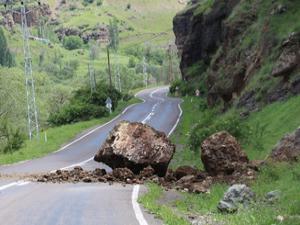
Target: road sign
108	103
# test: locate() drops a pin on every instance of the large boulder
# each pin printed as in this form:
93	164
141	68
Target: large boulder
221	154
136	146
237	195
288	149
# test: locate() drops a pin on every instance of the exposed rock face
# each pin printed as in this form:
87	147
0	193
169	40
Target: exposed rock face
222	154
136	146
218	39
290	56
288	149
33	16
198	36
100	33
236	195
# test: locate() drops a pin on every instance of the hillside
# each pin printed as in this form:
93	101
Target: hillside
247	54
68	36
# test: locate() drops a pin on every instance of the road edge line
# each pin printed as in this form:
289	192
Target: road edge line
178	119
136	207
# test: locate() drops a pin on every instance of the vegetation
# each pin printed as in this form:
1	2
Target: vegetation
72	42
86	105
6	57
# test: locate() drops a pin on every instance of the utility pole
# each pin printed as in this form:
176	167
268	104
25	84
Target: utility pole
170	77
33	124
118	75
92	78
145	72
109	67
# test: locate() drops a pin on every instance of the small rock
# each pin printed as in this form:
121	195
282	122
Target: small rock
184	171
280	218
87	180
123	174
236	195
273	196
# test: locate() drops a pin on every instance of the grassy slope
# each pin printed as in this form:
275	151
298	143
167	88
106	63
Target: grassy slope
282	118
57	136
147	18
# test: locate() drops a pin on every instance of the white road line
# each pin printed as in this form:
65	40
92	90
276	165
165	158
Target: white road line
18	183
136	207
152	113
176	124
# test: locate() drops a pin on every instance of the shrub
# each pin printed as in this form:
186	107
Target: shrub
131	62
85	105
10	140
72	42
209	125
99	2
127	97
6	58
77	112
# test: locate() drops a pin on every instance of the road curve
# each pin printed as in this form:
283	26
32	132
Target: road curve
26	203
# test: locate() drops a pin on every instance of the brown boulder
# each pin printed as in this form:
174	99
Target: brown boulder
136	146
288	149
222	154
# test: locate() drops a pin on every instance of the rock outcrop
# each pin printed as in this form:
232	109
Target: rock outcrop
221	154
198	35
289	58
98	33
288	149
136	146
33	16
222	56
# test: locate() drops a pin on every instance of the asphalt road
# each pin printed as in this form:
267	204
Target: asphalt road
28	203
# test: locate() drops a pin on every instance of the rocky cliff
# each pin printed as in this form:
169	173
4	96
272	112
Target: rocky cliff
243	53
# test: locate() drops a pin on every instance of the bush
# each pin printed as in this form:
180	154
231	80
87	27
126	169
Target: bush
77	112
99	2
10	140
6	57
72	42
84	106
127	97
209	125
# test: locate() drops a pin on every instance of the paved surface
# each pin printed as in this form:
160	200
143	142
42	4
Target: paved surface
26	203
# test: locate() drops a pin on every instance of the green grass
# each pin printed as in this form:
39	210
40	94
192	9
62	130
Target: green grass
191	115
57	137
165	213
280	118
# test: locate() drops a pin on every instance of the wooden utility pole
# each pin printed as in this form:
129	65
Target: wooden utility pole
109	68
170	64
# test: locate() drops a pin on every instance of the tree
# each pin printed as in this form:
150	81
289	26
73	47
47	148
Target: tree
113	34
6	58
72	42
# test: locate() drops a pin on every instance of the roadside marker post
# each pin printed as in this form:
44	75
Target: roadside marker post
108	103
